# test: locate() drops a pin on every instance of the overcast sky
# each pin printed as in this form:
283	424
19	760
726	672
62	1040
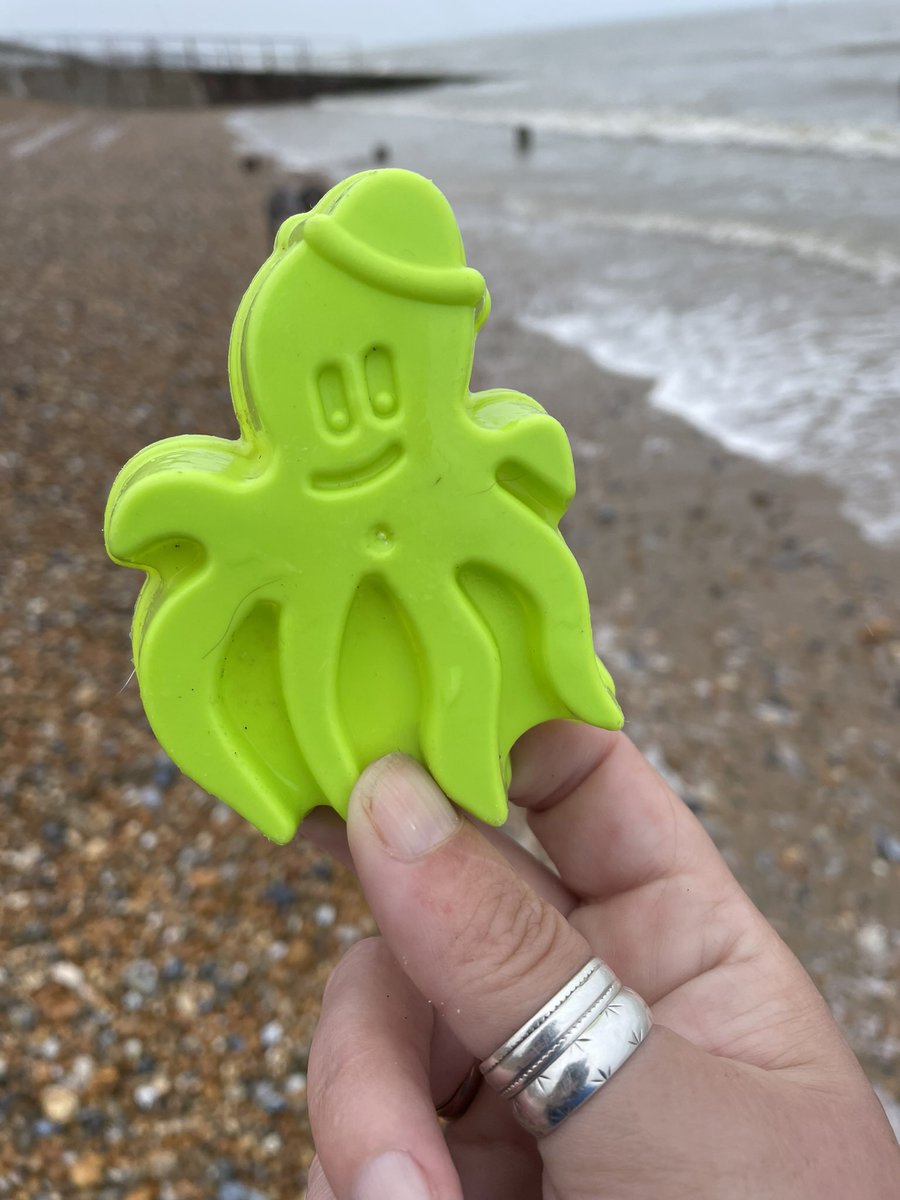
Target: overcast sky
334	22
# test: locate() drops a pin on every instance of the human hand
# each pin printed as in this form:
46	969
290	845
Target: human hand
744	1087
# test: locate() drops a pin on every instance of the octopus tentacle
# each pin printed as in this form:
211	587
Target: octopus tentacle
460	716
310	661
180	489
548	576
181	689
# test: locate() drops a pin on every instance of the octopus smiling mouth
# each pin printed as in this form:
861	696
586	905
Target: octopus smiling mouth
353	476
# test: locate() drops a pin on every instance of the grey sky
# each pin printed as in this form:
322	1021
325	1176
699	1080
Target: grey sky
333	23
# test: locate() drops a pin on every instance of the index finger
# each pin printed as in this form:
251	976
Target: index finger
607	819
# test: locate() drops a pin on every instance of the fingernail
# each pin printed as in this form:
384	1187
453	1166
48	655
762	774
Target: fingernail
406	808
391	1176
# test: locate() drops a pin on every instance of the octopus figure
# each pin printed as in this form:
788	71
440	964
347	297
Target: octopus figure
375	563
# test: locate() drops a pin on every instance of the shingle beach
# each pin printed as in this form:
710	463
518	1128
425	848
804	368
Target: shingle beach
161	964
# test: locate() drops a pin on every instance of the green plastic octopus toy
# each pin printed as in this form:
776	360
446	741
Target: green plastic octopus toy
375	564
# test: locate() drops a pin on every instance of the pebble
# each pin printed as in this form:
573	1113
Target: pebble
87	1171
348	934
142	976
147	1095
281	894
164	773
794	858
133	1048
888	846
322	869
876	631
22	1017
788	758
172	970
49	1048
268	1097
324	915
150	796
59	1104
232	1190
271	1034
872	940
774	712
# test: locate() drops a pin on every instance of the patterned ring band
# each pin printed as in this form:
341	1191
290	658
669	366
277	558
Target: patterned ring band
554	1027
582	1069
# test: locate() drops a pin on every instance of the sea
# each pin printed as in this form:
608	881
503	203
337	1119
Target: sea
711	202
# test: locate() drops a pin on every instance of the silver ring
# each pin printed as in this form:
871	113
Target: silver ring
511	1066
569	1049
462	1099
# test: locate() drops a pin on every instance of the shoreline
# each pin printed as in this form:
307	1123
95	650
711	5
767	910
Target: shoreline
150	936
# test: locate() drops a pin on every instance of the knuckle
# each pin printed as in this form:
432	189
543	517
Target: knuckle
514	927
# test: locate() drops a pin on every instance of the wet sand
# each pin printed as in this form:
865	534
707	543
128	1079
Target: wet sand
160	963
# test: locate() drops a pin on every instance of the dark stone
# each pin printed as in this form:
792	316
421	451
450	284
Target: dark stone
172	970
281	894
35	931
54	832
322	869
164	773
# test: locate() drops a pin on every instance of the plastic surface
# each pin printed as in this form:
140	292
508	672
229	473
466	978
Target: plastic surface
374	565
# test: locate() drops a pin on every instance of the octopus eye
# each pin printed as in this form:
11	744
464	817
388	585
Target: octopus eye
333	398
381	383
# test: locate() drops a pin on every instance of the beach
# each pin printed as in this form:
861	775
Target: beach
161	964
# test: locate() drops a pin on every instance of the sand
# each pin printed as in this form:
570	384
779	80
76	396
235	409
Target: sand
160	963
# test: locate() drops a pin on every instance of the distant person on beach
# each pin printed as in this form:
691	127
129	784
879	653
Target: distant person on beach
743	1088
288	199
524	139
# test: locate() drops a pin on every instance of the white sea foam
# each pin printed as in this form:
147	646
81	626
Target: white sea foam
10	128
792	394
103	138
45	137
256	133
659	125
881	266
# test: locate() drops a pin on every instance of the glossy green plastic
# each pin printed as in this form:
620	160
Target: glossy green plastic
375	564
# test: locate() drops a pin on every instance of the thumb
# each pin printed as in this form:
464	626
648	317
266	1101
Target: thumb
488	952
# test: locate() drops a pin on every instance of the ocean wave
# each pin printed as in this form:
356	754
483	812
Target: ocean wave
659	125
776	392
881	266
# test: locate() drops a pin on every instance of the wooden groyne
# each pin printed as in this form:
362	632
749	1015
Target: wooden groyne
188	72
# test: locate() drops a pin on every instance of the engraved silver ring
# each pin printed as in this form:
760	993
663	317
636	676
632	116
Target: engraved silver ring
569	1049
